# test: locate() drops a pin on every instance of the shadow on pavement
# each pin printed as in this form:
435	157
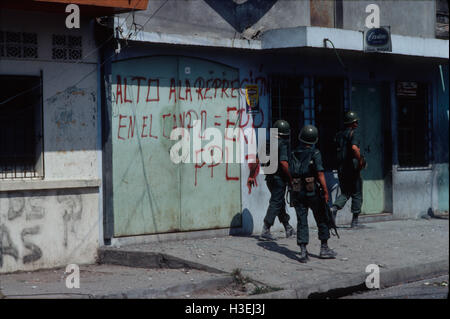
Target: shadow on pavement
273	246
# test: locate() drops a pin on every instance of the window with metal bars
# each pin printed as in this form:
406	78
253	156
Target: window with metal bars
287	101
21	151
414	124
329	104
22	45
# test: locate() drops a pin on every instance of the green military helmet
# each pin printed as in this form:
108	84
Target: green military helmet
350	117
283	127
309	135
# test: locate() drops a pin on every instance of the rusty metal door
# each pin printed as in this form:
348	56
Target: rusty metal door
151	194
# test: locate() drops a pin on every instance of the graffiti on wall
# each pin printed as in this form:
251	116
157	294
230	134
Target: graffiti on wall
194	94
22	222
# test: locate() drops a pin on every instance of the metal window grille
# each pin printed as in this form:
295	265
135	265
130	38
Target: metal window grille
308	101
18	45
415	125
21	127
287	102
67	47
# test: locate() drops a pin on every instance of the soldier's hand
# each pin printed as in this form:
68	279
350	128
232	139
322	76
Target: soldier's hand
361	164
251	181
326	197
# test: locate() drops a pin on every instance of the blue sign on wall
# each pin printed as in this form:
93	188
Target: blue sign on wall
377	39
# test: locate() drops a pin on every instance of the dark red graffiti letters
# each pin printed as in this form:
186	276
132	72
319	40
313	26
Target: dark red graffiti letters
157	90
188	90
125	100
119	90
120	126
173	90
225	85
131	126
163	123
138	79
143	126
198	85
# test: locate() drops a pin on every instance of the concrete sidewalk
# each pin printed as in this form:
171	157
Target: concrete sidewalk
405	250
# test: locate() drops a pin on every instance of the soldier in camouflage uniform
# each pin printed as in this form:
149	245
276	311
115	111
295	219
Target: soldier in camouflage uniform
276	183
308	182
350	164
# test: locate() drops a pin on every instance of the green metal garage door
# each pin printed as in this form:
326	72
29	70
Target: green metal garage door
367	102
152	96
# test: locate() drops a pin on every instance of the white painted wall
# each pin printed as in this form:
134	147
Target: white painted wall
55	220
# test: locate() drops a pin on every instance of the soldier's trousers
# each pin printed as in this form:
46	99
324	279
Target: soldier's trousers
351	186
277	202
301	208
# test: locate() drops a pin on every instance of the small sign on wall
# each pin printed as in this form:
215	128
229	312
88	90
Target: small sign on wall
377	39
406	88
252	98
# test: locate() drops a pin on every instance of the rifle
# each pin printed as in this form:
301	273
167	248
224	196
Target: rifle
328	215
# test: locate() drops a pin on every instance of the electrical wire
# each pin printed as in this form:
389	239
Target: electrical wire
154	13
335	51
80	61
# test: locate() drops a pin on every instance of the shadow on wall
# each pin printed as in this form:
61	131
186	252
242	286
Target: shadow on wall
244	219
241	15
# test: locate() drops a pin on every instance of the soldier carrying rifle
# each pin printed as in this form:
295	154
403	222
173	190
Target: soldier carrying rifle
308	182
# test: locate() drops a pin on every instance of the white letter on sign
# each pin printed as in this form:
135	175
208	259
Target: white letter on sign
73	19
373	19
373	280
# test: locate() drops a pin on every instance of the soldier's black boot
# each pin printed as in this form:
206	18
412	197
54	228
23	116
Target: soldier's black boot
355	222
265	234
289	230
303	254
326	252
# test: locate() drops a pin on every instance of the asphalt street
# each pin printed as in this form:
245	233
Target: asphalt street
430	288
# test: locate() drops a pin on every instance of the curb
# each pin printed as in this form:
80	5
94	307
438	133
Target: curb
140	259
171	292
348	284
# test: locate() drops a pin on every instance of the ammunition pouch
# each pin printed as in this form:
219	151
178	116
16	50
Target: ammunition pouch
305	184
296	184
310	184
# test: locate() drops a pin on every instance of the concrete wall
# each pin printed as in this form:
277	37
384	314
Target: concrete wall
412	18
413	190
218	18
247	19
441	139
55	220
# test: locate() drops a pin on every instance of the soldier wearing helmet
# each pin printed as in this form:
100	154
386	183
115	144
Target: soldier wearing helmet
276	183
308	181
350	163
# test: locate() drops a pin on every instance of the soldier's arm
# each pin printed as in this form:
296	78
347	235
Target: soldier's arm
323	183
320	175
357	154
285	169
251	181
355	142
